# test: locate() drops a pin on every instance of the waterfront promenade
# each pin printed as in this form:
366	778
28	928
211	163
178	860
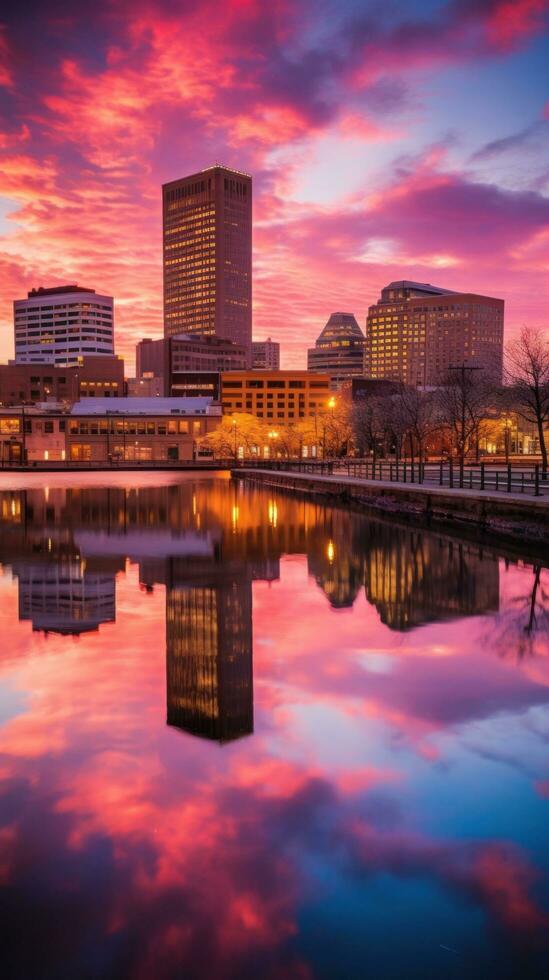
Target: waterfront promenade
512	513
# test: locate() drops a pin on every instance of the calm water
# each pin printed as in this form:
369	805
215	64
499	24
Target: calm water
245	735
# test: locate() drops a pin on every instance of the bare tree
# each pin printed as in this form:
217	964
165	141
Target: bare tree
395	425
336	429
462	399
285	439
418	418
527	372
369	425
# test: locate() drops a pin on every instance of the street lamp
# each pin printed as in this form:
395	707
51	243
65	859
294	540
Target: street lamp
507	423
272	434
331	405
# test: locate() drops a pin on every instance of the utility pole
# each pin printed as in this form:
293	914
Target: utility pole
463	369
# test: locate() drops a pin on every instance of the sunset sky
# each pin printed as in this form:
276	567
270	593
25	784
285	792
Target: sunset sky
386	140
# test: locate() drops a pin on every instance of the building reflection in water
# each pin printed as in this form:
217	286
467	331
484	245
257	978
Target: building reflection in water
206	542
62	596
414	578
209	651
60	591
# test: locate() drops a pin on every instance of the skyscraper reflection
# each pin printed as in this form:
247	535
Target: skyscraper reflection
209	651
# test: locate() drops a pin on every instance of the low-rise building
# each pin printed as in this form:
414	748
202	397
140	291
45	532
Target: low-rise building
284	396
171	359
360	389
102	431
149	357
265	355
92	376
196	384
139	429
148	386
33	434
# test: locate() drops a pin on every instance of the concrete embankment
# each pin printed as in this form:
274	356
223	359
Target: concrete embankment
512	516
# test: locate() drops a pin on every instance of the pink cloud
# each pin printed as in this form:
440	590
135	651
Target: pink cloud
513	20
159	92
6	75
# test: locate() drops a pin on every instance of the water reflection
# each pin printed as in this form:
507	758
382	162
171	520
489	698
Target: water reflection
209	649
396	781
207	547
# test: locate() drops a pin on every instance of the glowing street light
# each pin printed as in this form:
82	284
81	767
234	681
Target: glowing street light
272	434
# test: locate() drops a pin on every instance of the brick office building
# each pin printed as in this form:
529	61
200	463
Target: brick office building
93	376
283	396
416	331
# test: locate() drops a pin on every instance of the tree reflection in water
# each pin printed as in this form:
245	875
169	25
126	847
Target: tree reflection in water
522	626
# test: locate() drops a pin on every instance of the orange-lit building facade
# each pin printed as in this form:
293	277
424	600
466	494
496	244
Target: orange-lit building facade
151	433
416	331
283	396
207	252
147	431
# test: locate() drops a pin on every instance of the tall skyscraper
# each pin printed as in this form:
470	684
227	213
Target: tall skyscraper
207	247
416	331
58	325
339	349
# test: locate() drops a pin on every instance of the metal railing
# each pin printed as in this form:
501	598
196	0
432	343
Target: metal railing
513	478
531	480
321	466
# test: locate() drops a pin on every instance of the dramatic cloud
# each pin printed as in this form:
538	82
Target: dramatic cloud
334	112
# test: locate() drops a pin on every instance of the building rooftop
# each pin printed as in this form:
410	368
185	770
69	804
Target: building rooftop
274	373
340	325
55	290
146	406
424	287
200	173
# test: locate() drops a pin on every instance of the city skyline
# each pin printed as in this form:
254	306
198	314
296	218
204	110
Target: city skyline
367	160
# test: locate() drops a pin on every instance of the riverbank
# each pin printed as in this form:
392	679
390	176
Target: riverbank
510	516
96	466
